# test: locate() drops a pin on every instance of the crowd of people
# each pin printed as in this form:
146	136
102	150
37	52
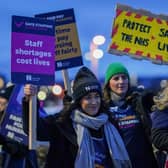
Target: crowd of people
115	126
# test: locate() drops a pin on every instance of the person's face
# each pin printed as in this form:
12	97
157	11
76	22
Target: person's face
119	84
91	103
3	104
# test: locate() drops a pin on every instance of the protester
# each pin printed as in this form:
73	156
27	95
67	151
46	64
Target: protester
4	98
15	154
160	124
130	107
10	147
82	136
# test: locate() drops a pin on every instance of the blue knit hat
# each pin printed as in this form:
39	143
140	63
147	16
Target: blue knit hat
114	69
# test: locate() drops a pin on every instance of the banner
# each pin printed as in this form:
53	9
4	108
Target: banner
67	48
12	125
140	34
32	51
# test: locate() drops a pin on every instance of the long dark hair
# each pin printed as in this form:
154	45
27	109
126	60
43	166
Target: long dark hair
70	106
106	93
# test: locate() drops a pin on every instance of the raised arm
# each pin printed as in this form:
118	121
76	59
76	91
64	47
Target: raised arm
44	125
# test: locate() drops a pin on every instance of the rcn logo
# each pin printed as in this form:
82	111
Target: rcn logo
92	87
28	77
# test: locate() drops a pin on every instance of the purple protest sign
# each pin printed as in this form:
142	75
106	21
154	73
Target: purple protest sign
32	51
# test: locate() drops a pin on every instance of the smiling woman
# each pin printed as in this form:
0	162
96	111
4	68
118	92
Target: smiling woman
130	107
82	132
91	103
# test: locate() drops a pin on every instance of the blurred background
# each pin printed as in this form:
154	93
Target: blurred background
93	18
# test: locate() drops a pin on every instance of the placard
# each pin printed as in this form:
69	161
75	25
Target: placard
32	51
67	49
12	124
140	34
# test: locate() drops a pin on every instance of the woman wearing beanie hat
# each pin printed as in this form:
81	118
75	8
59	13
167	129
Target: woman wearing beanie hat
130	108
82	136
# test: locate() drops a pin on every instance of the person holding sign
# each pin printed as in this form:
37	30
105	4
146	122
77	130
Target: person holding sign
82	134
4	98
15	154
160	125
130	107
13	151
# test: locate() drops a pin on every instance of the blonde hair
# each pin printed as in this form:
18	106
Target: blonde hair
161	99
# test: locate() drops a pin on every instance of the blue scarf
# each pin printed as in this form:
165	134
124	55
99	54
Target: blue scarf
85	156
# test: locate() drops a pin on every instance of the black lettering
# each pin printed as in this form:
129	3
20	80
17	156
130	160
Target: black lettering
126	37
163	33
163	47
124	22
136	26
141	41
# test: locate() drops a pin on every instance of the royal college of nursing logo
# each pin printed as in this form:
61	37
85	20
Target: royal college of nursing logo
91	87
28	77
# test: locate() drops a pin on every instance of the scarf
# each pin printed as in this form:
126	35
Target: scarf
86	153
116	99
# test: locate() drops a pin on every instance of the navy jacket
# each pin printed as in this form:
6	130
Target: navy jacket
61	136
160	129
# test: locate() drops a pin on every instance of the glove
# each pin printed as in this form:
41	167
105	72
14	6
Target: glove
15	148
67	98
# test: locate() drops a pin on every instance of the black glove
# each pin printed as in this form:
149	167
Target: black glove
67	98
15	148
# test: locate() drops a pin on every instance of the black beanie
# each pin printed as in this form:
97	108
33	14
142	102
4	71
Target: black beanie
5	93
85	82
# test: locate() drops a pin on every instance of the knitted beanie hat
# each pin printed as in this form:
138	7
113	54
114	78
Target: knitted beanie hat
114	69
5	93
85	82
